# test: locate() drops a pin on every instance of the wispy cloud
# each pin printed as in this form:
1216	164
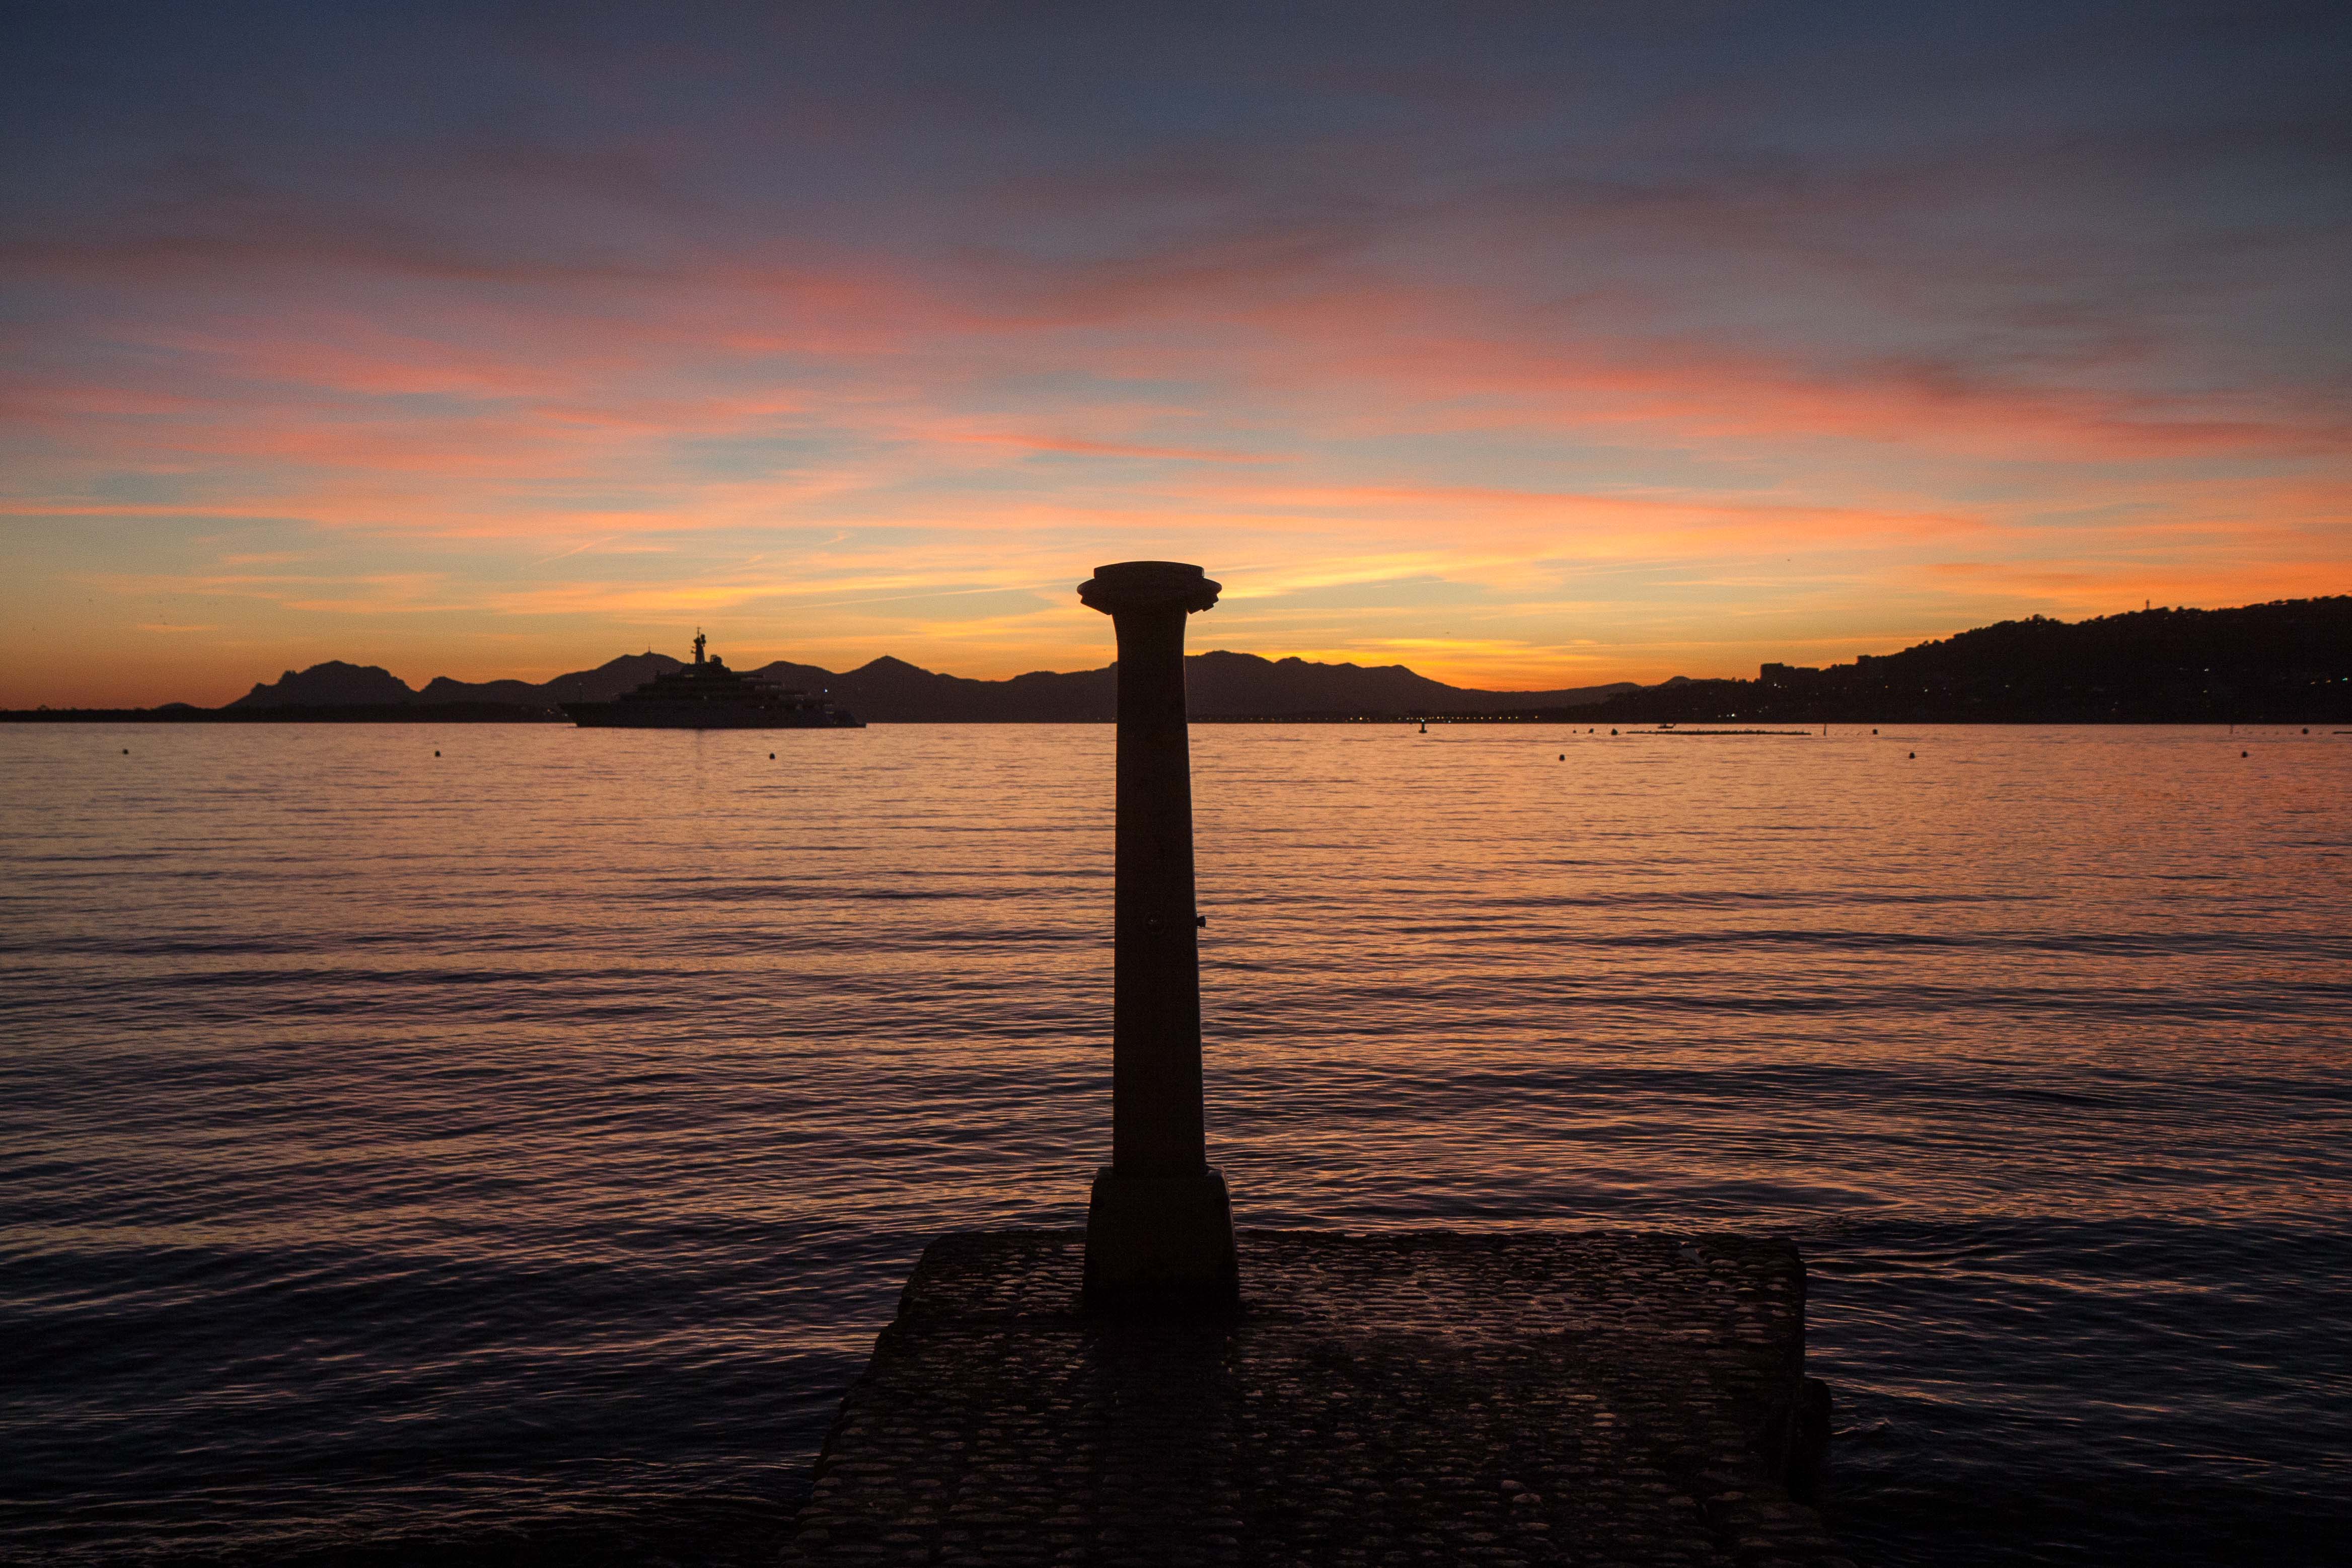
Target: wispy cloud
1507	353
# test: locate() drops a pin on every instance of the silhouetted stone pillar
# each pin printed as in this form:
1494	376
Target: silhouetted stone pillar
1159	1228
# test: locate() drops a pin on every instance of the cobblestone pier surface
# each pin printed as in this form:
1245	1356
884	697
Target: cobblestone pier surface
1589	1398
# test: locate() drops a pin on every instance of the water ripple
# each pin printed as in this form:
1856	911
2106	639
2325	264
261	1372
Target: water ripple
495	1157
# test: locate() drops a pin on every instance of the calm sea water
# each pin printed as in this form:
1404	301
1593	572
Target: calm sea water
510	1154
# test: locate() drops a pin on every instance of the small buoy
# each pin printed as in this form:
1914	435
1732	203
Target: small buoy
1873	732
1613	732
1915	757
436	754
126	751
1563	757
2242	753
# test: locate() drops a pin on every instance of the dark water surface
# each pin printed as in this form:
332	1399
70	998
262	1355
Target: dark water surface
510	1156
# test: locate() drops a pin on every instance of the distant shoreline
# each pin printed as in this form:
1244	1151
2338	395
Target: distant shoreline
2287	662
469	713
388	712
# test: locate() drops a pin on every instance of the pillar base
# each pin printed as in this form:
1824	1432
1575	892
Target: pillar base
1160	1244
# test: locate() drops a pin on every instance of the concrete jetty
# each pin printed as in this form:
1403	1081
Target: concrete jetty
1598	1398
1158	1390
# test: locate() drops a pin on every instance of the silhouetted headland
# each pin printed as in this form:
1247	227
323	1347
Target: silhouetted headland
2285	663
1158	1389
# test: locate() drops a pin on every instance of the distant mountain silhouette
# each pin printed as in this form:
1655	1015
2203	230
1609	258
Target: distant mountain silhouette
1220	684
331	685
600	685
892	691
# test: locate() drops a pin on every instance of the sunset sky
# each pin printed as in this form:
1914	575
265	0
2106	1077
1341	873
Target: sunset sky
1528	346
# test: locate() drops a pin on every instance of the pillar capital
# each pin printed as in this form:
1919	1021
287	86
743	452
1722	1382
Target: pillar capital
1147	585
